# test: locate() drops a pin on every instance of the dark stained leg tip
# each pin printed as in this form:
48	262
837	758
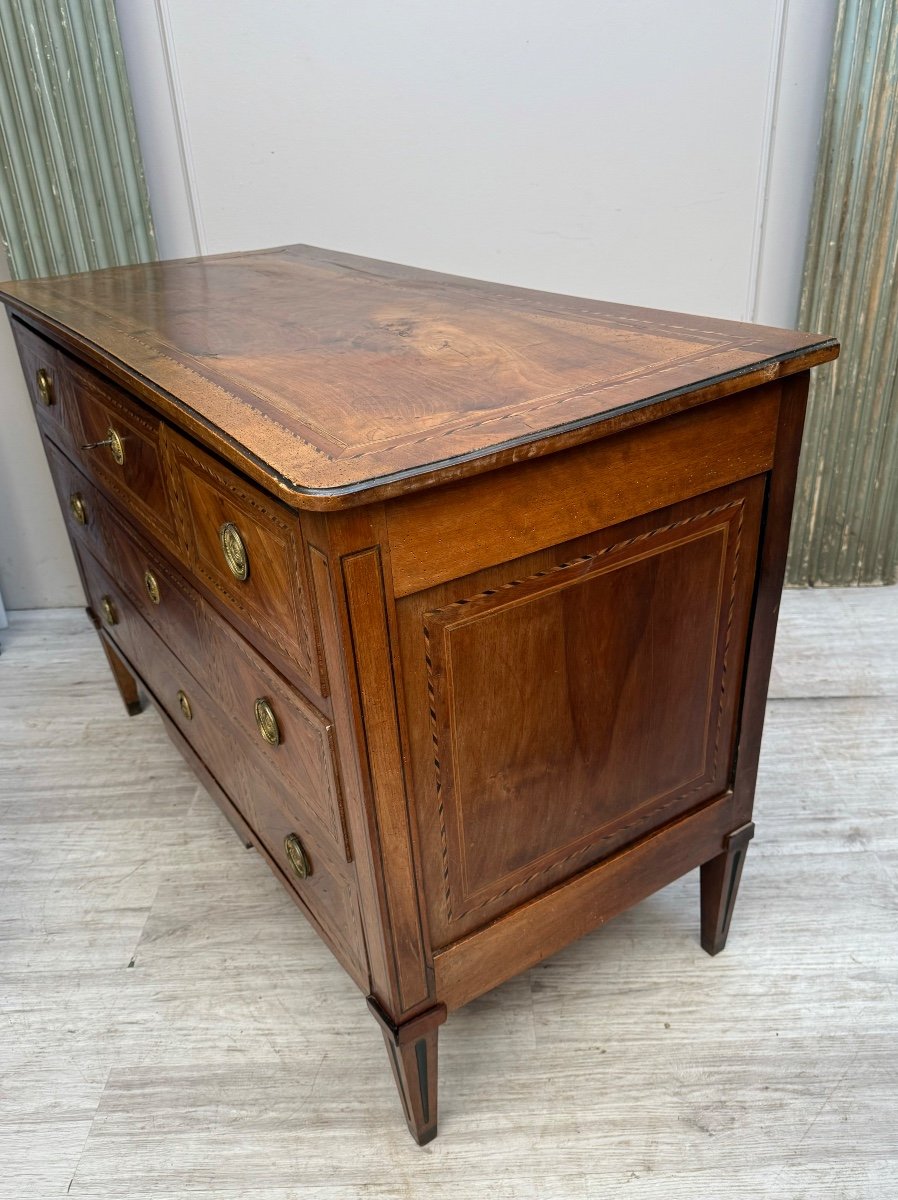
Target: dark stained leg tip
412	1050
719	885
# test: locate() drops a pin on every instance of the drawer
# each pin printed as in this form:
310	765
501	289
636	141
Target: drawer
83	508
121	445
327	890
270	809
45	376
248	549
297	738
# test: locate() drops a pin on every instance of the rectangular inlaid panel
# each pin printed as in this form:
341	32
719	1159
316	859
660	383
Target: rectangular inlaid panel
141	481
83	508
41	365
271	597
574	700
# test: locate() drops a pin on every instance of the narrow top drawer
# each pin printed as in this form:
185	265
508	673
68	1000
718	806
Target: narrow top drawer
248	548
122	445
42	364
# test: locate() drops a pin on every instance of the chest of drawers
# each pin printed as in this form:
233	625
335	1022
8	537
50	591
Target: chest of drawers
460	599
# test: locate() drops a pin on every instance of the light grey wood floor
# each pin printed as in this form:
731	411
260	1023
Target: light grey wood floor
172	1028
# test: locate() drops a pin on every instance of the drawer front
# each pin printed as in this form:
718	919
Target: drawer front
241	546
248	549
128	455
45	376
299	745
83	508
327	891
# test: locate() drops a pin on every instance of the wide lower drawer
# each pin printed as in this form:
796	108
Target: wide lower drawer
275	815
82	506
290	734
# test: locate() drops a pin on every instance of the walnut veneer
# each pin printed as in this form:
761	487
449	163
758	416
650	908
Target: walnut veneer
459	598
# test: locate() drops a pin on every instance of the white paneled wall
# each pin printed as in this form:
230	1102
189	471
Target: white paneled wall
653	153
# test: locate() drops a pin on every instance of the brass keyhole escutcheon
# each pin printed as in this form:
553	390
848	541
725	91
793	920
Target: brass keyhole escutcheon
78	508
267	722
234	550
151	583
184	705
110	615
45	387
297	856
113	441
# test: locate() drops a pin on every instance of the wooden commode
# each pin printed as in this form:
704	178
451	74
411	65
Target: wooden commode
459	599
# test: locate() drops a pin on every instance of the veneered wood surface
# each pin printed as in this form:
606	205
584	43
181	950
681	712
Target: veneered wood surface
69	482
181	496
272	599
523	937
334	374
534	676
563	704
233	672
270	809
442	534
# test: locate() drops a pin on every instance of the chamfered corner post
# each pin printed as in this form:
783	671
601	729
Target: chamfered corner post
124	680
412	1051
719	885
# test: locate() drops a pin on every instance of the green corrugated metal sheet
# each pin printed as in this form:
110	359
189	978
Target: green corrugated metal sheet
846	521
72	190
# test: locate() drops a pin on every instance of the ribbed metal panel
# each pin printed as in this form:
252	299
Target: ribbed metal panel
846	522
72	190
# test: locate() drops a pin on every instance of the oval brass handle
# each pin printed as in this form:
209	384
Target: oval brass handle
184	705
267	722
109	610
151	583
297	856
234	550
114	442
45	387
78	508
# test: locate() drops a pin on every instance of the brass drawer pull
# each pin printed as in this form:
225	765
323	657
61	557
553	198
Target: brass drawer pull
45	387
267	722
78	508
299	860
110	613
114	442
234	550
184	705
151	583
